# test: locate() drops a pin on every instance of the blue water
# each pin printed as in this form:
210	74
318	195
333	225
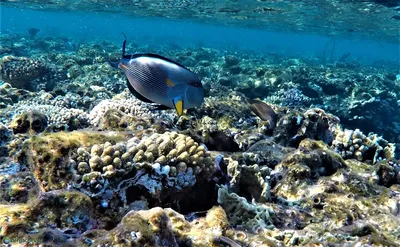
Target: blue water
154	31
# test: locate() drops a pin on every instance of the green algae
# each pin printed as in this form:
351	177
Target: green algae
29	222
48	154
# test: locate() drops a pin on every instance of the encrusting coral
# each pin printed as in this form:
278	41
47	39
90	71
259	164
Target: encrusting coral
29	73
48	155
162	227
33	121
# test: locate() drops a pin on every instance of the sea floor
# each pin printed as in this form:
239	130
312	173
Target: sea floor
312	162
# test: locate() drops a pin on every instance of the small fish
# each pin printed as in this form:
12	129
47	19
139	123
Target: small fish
263	111
156	79
219	141
33	31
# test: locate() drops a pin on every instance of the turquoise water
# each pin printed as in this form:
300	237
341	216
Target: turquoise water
157	31
255	123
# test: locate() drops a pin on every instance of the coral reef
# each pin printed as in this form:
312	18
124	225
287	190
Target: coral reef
355	144
244	215
10	95
314	123
5	134
49	155
131	107
53	218
30	74
33	121
84	163
161	227
57	117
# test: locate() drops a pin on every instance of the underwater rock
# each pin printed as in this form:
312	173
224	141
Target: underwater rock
270	153
219	141
48	155
74	71
225	112
248	216
10	95
314	123
16	187
314	159
161	227
388	173
235	70
28	73
33	122
231	60
5	134
42	219
114	119
249	181
132	107
226	81
331	85
246	138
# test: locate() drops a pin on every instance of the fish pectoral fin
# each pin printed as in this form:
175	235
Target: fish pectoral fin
159	107
178	104
169	82
136	93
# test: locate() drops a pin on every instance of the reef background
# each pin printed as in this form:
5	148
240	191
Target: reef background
84	163
155	31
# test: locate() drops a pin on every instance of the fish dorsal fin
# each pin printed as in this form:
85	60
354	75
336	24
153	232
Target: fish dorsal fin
148	55
137	94
154	56
123	45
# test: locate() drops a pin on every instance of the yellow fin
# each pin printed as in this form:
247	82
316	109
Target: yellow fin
179	107
169	82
